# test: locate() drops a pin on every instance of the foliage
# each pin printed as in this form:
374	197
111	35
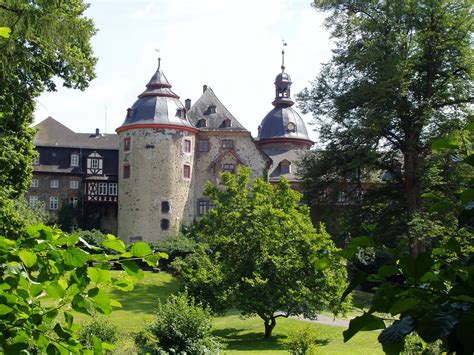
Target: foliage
68	216
93	237
41	42
414	345
181	327
302	342
262	253
400	76
46	263
177	246
99	327
430	294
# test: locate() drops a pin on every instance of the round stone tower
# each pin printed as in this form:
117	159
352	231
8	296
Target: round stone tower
155	165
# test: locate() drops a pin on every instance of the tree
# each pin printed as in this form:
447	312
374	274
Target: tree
400	76
43	41
262	254
430	294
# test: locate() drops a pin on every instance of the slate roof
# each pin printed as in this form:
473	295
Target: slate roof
214	121
275	125
277	156
51	133
158	104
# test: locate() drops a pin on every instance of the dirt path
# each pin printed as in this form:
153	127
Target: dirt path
322	319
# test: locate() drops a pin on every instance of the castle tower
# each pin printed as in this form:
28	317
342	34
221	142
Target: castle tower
156	156
282	134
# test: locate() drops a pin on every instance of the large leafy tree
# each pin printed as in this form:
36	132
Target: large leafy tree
40	42
401	75
262	253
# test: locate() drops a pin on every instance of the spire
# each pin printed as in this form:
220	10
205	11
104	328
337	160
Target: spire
283	57
159	58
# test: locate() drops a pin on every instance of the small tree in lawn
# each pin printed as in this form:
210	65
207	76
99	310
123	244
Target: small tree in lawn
268	258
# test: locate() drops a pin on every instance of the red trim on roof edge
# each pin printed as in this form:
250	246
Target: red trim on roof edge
156	125
286	140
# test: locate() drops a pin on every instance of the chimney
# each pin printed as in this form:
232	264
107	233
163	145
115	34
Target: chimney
187	104
204	88
97	134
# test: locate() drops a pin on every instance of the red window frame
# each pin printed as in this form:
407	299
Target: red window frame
187	171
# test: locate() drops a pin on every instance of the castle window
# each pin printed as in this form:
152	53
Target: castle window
94	164
126	171
126	144
33	201
228	168
187	171
227	123
204	206
54	184
73	201
285	167
74	159
102	188
165	224
227	144
181	113
342	197
165	206
74	184
203	145
202	123
113	189
34	183
129	112
187	146
53	202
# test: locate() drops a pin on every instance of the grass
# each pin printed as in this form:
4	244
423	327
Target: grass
241	336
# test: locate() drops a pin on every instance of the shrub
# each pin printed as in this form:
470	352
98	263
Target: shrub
414	345
181	326
99	327
302	342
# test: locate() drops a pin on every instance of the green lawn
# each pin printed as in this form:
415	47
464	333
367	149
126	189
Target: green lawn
241	336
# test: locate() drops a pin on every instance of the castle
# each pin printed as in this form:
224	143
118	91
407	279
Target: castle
167	152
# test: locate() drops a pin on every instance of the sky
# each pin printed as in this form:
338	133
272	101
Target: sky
232	46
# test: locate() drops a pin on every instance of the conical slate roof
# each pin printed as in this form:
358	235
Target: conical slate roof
208	113
158	104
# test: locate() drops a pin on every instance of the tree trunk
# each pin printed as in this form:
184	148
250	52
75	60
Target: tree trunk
269	325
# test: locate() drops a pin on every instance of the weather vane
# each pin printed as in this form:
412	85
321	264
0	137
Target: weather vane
159	59
283	56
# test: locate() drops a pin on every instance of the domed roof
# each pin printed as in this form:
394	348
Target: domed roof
282	122
158	104
282	78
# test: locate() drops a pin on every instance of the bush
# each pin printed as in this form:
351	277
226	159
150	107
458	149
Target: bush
181	326
302	342
414	345
99	327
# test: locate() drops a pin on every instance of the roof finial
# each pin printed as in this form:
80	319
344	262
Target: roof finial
159	59
283	56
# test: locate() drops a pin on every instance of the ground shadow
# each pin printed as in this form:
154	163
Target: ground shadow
241	339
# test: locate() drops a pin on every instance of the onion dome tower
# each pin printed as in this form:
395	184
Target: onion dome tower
283	126
156	164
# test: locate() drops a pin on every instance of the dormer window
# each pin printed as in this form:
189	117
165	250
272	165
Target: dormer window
285	167
181	113
130	112
94	164
212	109
227	123
202	123
291	127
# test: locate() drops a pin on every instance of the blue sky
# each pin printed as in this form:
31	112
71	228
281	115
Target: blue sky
232	46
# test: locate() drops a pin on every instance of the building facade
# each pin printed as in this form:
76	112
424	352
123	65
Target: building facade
148	180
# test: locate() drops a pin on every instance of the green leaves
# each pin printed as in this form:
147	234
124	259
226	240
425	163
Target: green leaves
5	32
114	244
132	269
392	337
141	249
362	323
27	257
75	257
436	325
